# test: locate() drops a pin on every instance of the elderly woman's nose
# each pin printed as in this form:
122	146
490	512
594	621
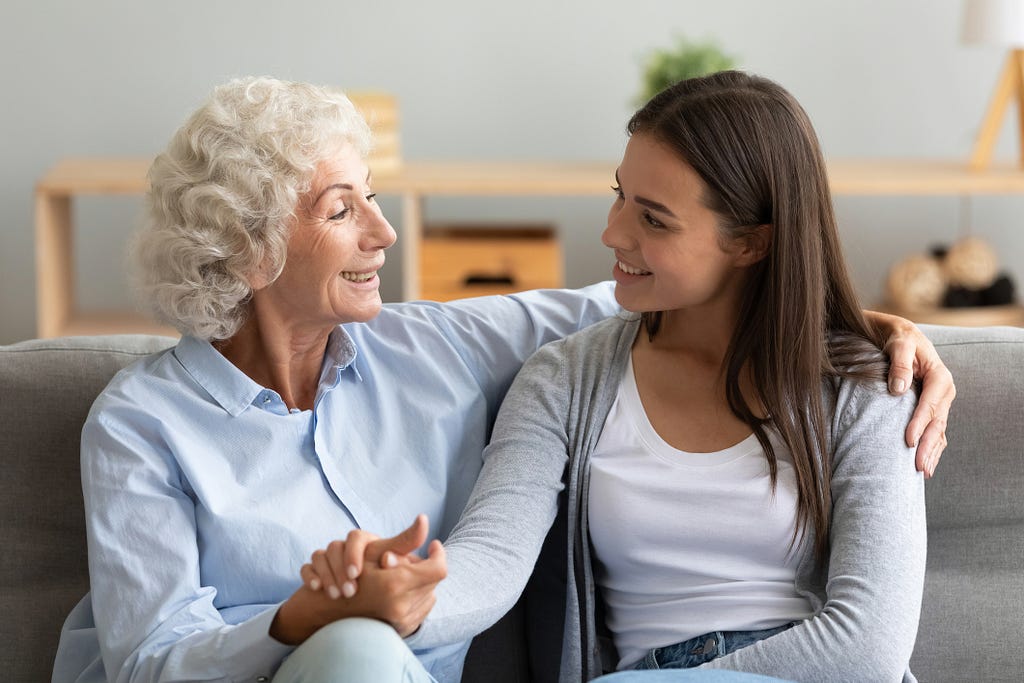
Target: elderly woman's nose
380	232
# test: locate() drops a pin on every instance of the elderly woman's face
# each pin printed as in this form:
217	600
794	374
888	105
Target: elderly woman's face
335	248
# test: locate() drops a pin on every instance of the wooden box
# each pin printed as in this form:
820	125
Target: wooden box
380	109
460	261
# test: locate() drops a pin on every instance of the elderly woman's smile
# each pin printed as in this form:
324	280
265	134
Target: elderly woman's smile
359	277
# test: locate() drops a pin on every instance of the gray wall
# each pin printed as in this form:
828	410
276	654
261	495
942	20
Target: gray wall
529	79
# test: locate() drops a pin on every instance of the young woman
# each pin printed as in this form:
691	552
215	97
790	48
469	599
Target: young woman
737	494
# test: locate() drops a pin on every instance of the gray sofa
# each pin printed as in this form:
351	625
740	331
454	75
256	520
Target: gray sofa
973	615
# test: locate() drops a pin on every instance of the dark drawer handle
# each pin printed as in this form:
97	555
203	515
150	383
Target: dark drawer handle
488	280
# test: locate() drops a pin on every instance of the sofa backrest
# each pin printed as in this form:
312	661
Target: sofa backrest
973	610
46	389
974	592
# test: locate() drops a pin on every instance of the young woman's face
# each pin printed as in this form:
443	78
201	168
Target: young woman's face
335	247
668	249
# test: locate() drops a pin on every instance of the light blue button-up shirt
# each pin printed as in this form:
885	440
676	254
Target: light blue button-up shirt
204	494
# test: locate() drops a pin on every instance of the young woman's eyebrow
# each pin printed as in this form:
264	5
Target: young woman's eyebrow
649	203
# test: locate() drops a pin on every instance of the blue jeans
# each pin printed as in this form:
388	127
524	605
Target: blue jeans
353	650
675	661
702	649
685	676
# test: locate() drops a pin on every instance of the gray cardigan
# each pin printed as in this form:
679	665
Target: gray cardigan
867	600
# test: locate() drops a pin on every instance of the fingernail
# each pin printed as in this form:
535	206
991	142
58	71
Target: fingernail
899	385
315	584
352	571
333	592
390	560
348	589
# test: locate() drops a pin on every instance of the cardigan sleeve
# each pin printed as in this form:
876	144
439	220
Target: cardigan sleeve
493	548
867	622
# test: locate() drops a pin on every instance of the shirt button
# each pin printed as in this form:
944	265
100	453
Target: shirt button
266	398
262	679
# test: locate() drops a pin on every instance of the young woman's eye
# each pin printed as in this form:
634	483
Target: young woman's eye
340	215
652	221
617	190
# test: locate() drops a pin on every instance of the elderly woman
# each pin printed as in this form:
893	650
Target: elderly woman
296	408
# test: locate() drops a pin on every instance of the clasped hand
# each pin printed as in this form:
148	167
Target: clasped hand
365	576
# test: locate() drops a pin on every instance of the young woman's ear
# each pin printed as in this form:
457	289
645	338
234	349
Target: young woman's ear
754	245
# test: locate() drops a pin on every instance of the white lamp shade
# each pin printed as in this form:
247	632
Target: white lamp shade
997	22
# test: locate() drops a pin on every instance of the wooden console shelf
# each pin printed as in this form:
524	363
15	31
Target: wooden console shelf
921	178
414	181
1011	315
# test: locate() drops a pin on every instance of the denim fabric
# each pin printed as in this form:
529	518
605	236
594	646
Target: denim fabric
686	676
702	649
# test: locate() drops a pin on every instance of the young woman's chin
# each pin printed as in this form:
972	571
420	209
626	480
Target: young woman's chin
631	303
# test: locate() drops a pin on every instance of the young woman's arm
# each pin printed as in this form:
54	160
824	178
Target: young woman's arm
870	599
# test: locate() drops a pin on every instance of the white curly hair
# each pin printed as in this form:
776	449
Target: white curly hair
223	193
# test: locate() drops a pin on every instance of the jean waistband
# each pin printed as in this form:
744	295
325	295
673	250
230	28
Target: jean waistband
704	648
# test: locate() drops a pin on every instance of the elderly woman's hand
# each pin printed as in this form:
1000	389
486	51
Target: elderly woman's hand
336	568
912	355
395	588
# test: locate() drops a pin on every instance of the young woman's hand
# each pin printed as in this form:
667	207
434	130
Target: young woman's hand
912	355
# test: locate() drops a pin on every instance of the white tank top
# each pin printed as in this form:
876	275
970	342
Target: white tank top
688	543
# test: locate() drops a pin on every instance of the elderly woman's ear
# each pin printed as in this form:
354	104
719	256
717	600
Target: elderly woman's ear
264	273
260	278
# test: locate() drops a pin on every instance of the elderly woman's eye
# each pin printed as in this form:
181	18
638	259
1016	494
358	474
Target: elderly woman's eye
340	215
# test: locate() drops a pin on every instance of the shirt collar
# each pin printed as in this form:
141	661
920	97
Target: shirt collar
340	354
233	390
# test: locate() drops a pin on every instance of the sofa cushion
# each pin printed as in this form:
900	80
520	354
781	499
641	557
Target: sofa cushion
974	587
48	387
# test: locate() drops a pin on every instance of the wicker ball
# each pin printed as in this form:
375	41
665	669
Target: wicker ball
971	263
916	282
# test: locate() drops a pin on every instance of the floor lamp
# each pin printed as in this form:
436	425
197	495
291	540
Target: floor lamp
998	22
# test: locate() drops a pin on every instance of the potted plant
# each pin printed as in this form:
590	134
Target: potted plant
686	59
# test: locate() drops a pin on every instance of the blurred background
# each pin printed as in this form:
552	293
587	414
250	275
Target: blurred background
529	80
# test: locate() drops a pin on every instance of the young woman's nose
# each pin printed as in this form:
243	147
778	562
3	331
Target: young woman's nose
615	235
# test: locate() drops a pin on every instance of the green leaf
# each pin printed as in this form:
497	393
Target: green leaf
686	59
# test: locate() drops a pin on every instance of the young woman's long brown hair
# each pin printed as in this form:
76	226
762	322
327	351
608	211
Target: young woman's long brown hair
799	323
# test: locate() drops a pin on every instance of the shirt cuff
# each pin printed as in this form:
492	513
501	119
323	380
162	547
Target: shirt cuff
261	652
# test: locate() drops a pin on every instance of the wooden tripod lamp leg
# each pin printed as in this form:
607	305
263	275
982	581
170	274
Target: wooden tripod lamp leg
1018	71
1007	88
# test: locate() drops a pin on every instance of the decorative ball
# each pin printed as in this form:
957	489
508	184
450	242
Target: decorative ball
916	282
971	263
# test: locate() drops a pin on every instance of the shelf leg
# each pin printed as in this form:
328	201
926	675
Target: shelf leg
54	264
412	233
